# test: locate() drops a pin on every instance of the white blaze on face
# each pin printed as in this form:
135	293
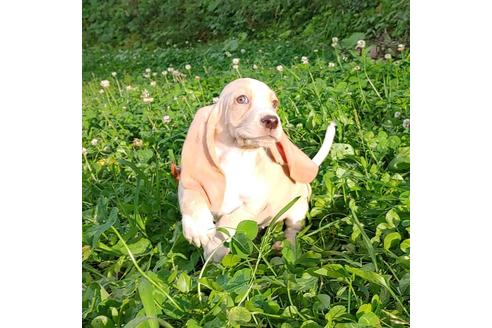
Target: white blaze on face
261	106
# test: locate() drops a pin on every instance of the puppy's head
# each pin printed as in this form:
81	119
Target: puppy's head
249	113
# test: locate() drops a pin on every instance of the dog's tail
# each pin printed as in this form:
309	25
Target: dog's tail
325	147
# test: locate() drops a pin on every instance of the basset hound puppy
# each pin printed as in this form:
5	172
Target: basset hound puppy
238	164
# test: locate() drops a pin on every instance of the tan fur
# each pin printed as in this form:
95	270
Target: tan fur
225	137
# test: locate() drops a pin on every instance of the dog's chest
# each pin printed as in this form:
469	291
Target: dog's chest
244	186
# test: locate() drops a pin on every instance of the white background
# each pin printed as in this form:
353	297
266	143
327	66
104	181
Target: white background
40	163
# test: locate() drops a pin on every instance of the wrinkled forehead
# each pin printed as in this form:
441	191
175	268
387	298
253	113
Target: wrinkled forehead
251	87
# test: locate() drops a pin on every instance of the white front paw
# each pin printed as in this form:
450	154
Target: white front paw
198	230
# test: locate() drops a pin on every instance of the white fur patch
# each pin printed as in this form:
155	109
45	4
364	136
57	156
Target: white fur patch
198	229
243	186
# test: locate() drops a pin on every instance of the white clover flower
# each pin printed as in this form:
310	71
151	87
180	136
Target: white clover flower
304	60
188	67
154	74
186	42
105	84
334	42
84	151
280	68
235	66
356	68
331	65
129	88
137	142
153	83
235	61
146	75
148	70
197	78
164	73
243	51
166	119
94	141
401	47
387	56
146	98
170	69
114	74
101	91
215	100
255	67
397	114
228	54
361	44
406	123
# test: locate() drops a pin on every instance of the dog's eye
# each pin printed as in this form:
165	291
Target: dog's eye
242	99
275	103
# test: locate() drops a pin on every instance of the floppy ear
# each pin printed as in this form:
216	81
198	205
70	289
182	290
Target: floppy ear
300	167
199	165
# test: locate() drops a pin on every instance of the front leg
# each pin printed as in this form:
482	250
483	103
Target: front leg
215	247
198	222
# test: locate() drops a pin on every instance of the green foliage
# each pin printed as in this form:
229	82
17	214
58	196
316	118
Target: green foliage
350	267
153	23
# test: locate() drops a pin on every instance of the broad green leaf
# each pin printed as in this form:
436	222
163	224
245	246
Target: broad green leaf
405	245
145	293
347	325
390	238
369	319
392	218
332	271
368	275
192	323
239	280
290	311
86	252
364	308
249	228
137	248
401	162
340	150
310	324
335	312
288	252
238	315
230	260
241	245
325	301
183	283
102	321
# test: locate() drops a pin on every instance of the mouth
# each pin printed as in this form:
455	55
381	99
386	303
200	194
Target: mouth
255	142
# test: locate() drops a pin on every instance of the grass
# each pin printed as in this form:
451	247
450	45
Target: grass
350	267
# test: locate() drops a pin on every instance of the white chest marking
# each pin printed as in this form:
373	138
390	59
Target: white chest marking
243	185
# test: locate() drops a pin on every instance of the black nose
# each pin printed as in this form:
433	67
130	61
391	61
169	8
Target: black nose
270	121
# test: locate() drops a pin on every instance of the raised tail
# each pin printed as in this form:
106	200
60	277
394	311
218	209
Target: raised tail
325	147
